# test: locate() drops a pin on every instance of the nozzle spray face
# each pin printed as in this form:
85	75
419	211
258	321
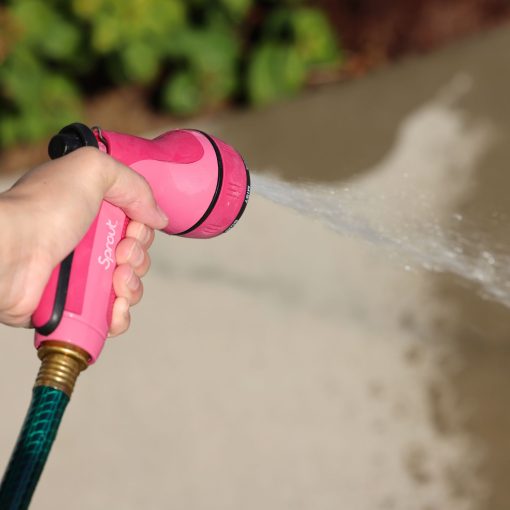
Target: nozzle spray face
201	184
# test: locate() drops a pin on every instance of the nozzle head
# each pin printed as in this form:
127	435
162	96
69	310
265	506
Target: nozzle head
230	197
201	183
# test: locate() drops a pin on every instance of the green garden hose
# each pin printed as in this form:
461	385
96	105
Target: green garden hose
60	367
33	446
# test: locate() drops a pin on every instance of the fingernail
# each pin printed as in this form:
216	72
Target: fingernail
123	307
162	215
137	256
133	282
144	234
121	312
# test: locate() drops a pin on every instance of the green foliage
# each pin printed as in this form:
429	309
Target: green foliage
181	93
190	54
115	24
237	8
34	101
210	55
275	71
309	31
45	31
295	41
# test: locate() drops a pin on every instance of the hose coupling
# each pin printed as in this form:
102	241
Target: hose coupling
61	364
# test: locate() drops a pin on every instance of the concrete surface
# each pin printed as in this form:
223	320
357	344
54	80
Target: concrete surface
287	366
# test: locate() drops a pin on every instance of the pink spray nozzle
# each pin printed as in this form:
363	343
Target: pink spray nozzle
201	184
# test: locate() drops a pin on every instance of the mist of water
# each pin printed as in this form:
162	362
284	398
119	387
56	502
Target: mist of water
405	205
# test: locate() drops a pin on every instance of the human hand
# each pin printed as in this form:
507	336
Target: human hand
48	211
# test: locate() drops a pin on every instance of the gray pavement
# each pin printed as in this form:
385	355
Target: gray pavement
286	366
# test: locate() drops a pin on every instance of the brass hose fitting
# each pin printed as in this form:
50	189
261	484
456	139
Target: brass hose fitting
61	364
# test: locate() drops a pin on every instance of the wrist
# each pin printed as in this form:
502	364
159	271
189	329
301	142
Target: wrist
25	267
8	217
21	223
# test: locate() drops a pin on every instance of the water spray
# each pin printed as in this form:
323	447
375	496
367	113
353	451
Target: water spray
201	184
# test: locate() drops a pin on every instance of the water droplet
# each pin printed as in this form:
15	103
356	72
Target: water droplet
478	275
489	257
458	217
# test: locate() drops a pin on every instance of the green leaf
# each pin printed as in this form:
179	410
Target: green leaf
181	94
120	23
212	54
140	62
237	8
306	28
106	34
20	77
215	61
314	37
9	130
276	71
45	30
59	99
87	9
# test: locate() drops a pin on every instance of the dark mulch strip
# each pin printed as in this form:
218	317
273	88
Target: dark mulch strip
374	32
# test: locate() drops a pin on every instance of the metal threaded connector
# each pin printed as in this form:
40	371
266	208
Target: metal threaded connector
61	364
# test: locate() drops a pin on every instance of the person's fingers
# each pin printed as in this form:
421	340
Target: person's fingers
127	284
142	269
130	251
67	194
141	232
68	191
121	317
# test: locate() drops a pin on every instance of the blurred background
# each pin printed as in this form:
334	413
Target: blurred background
62	60
357	359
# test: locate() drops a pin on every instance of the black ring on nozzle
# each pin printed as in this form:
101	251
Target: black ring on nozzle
70	138
219	183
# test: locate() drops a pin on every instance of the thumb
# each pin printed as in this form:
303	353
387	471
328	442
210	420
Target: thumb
130	191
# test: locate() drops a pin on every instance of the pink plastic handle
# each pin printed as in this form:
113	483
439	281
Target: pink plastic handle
89	298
